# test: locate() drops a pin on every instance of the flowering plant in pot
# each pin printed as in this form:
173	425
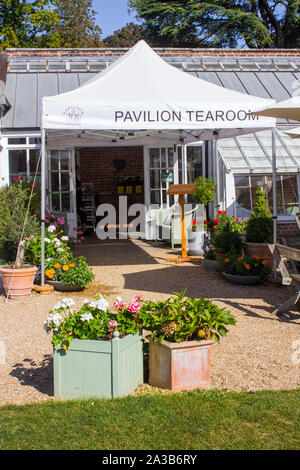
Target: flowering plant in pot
259	228
67	274
97	349
187	325
18	222
245	269
227	242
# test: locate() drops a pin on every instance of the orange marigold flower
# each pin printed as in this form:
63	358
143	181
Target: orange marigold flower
226	260
240	258
57	266
50	275
247	266
71	265
254	256
265	262
65	267
52	271
256	265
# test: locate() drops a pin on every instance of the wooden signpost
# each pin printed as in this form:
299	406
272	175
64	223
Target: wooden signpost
181	190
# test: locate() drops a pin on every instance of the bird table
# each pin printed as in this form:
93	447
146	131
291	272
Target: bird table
181	190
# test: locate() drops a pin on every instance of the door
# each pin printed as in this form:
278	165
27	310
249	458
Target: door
61	184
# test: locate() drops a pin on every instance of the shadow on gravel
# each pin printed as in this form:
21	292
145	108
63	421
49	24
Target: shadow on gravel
39	376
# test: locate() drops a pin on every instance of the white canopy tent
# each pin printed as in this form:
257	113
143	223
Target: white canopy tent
287	109
294	133
141	97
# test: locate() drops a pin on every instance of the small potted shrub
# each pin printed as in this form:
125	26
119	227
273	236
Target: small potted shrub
182	332
69	275
259	228
17	225
210	259
245	270
228	242
198	234
98	351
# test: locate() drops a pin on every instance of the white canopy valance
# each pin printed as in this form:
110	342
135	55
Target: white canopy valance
141	92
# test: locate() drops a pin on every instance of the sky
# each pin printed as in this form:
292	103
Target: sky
112	15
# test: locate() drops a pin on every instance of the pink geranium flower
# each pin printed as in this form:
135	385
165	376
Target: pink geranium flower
134	307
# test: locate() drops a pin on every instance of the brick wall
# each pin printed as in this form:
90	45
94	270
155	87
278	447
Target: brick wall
96	166
287	230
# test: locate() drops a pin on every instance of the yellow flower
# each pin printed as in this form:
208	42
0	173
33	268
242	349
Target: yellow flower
65	267
52	271
47	272
247	266
57	266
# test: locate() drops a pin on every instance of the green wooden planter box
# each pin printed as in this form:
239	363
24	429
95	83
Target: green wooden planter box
103	369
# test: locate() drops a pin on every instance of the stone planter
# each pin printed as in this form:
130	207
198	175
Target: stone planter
243	280
17	283
210	264
259	249
180	366
197	242
62	287
103	369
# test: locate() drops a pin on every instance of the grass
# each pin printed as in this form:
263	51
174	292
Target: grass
265	420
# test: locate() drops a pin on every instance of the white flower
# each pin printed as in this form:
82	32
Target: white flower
53	320
65	238
86	301
51	228
119	299
60	249
100	304
86	317
67	302
47	240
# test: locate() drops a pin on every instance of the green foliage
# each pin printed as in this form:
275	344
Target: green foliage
55	248
14	200
245	266
204	191
228	242
127	36
178	319
210	255
92	321
259	228
221	23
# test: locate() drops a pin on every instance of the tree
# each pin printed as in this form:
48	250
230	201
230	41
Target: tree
221	23
127	36
22	22
76	24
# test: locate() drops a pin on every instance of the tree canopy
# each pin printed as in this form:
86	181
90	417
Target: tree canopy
220	23
127	36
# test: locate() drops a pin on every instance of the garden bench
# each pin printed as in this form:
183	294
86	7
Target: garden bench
281	253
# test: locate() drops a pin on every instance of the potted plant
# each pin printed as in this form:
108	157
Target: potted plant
247	270
210	259
198	235
98	351
182	332
17	225
259	228
227	242
67	275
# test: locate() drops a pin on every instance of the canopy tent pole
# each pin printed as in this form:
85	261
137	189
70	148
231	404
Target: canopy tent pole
274	182
43	204
184	164
216	163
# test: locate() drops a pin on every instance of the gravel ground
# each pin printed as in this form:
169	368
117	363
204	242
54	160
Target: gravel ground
256	354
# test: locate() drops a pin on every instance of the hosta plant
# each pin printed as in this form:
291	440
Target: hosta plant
180	319
93	320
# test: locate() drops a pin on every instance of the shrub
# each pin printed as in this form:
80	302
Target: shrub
14	200
204	191
177	319
228	242
54	248
259	228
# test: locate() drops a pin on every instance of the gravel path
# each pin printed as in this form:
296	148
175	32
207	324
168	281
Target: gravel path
255	355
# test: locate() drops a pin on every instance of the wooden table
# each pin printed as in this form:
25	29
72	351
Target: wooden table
181	190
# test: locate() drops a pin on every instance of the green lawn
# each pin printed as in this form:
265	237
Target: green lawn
182	421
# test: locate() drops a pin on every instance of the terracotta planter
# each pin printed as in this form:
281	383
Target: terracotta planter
259	249
17	283
180	366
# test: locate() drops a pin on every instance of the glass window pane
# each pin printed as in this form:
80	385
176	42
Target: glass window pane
65	181
241	181
280	208
55	181
258	182
242	196
65	201
194	162
34	140
55	202
155	197
64	160
154	179
16	140
163	158
179	150
170	157
154	158
54	160
17	163
290	193
33	161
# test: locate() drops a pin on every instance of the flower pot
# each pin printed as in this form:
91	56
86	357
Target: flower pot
103	369
243	280
180	366
62	287
18	282
197	242
259	249
210	264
